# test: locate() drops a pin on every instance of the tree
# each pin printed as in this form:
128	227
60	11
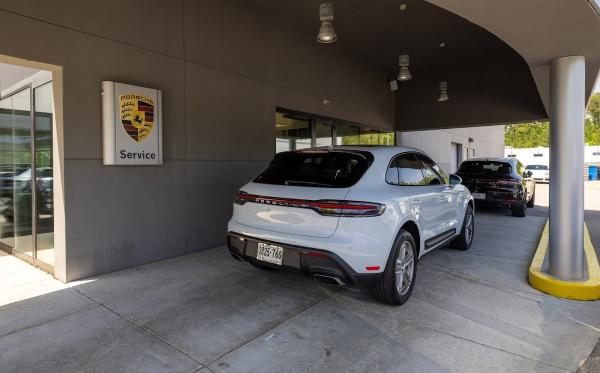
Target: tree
593	110
534	134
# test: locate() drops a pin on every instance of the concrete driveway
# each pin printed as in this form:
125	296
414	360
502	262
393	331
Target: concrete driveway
470	312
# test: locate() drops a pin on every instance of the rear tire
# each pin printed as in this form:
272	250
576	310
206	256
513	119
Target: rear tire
531	202
518	209
398	280
465	238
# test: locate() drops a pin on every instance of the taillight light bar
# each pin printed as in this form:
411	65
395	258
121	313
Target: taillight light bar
323	207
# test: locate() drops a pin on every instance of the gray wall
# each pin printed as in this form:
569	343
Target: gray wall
223	68
487	142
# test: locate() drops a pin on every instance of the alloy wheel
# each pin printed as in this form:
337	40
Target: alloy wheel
469	226
405	267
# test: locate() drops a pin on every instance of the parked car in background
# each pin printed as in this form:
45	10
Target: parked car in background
351	215
502	182
539	172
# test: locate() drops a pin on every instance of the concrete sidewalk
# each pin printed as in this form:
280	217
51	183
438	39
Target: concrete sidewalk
470	312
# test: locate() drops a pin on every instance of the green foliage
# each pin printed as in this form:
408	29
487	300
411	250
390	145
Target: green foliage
534	134
527	135
383	138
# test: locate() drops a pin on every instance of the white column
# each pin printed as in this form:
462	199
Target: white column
567	115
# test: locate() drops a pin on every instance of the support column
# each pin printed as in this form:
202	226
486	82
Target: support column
567	115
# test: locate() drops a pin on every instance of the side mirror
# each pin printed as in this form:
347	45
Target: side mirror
528	173
455	179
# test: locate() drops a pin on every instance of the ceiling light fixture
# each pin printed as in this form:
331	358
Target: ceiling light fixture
443	87
326	31
404	60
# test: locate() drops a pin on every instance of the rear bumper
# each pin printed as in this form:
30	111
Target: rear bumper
312	262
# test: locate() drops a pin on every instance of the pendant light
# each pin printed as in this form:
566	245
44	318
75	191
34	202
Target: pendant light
326	31
443	86
404	60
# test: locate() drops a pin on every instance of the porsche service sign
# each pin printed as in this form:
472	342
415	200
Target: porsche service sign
132	124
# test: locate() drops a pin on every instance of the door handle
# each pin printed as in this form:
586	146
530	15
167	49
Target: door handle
417	201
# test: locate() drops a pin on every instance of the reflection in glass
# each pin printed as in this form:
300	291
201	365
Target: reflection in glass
43	174
293	132
15	173
347	134
354	135
7	173
323	134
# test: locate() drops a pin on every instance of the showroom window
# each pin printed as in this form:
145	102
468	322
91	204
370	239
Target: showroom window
300	131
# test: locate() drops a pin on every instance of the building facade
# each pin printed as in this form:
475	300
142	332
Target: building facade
241	80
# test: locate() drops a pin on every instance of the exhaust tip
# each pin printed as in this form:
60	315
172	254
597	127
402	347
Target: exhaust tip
328	279
236	256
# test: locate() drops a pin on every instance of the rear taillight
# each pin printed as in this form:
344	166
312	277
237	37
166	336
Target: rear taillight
509	184
323	207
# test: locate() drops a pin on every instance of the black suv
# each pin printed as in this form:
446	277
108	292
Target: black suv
499	181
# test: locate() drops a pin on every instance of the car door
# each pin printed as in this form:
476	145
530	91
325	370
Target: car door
439	200
406	187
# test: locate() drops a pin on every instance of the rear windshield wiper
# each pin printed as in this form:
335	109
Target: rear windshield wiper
310	183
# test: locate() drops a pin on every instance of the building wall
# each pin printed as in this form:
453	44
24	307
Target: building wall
487	142
221	82
541	155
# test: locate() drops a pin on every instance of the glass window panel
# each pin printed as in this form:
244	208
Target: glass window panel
7	173
391	175
323	134
347	134
22	192
410	170
376	137
432	171
292	132
43	117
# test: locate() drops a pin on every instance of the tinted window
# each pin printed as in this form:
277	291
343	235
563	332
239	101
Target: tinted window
320	168
536	167
433	173
409	170
485	167
391	175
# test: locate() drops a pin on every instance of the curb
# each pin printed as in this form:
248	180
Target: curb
576	290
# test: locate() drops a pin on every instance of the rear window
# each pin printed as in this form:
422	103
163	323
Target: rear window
536	167
485	167
323	169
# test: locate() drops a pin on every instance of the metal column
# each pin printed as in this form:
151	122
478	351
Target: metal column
567	115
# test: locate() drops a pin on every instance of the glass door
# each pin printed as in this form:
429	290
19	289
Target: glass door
26	194
44	176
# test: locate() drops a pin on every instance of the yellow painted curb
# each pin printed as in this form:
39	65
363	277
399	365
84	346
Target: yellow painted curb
577	290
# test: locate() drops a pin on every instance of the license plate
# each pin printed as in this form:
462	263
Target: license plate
479	195
270	253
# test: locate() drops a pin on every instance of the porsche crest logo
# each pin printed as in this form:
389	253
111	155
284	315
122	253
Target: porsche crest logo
137	116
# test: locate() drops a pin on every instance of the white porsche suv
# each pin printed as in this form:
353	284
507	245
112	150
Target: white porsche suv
351	215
